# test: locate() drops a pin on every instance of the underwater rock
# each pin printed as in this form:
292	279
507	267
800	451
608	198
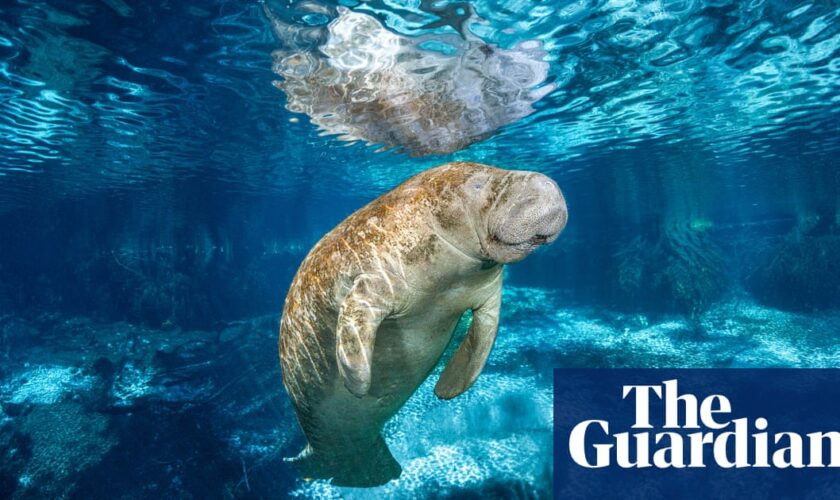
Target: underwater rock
57	453
801	273
193	405
682	271
48	420
45	385
362	82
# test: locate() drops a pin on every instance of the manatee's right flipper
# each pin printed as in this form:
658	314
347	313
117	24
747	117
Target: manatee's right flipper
359	465
359	317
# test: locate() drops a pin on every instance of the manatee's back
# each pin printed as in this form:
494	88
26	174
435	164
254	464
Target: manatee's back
307	354
310	313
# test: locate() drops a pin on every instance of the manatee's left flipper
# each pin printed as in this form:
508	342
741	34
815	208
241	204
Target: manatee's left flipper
467	362
359	317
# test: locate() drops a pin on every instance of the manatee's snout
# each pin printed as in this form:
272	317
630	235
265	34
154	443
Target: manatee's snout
550	199
533	214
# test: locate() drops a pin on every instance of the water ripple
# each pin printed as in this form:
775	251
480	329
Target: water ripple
115	95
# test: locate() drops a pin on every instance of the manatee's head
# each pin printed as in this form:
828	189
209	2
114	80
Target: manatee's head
505	214
526	210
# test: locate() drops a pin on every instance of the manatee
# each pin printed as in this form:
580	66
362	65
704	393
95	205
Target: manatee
376	301
424	95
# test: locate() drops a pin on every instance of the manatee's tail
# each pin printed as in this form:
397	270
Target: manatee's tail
363	466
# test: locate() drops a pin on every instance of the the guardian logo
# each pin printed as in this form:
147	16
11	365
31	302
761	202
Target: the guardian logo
695	432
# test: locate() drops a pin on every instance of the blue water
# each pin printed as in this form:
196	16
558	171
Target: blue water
158	192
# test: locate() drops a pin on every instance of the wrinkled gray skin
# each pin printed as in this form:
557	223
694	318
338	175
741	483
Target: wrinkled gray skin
375	303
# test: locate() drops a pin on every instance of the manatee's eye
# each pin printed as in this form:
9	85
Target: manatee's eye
477	185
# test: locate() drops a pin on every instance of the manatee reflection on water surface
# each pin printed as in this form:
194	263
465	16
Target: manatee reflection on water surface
426	95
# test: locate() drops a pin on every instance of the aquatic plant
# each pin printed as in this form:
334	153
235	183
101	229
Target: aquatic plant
683	271
802	271
159	286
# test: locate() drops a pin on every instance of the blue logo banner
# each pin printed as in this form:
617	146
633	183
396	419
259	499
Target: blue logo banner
696	433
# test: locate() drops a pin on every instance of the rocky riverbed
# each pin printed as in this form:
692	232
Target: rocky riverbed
91	409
